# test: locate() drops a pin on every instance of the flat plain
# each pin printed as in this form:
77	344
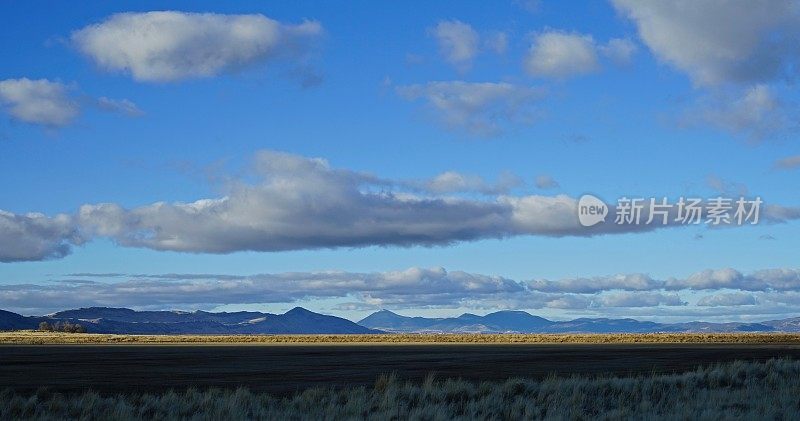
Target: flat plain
286	364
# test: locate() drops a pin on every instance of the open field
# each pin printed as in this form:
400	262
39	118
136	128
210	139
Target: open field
283	369
43	338
735	390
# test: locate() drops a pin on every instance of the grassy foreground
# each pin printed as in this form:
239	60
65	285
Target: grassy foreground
43	338
735	390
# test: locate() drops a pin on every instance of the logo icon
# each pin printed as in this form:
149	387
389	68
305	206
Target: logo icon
591	210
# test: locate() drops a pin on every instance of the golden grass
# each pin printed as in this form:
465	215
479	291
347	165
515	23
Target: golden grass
42	338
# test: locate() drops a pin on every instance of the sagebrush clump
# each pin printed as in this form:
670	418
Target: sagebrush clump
738	390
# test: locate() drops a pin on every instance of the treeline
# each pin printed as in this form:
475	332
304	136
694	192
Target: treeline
62	327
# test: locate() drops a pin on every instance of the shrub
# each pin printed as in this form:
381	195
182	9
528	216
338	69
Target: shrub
738	390
65	326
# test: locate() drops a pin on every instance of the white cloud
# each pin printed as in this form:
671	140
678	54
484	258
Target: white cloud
295	203
170	46
720	41
34	236
52	104
638	299
40	102
727	299
626	282
763	280
123	106
482	109
755	112
458	42
414	287
739	51
558	54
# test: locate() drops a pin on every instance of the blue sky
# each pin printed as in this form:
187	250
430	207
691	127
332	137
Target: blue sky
609	98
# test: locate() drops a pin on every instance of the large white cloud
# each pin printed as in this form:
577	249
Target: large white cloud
298	203
169	45
720	41
744	52
483	109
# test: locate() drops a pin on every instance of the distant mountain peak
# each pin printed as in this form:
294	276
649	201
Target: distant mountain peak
386	312
300	310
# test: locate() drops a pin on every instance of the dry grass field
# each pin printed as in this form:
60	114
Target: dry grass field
44	338
737	390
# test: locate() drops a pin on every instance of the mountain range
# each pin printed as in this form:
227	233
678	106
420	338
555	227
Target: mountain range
522	322
127	321
302	321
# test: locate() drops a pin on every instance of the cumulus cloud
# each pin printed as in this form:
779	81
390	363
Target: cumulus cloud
303	203
52	104
788	163
782	279
720	41
627	282
35	236
290	202
414	287
458	42
482	109
559	54
727	299
629	299
725	45
40	102
169	46
756	112
764	280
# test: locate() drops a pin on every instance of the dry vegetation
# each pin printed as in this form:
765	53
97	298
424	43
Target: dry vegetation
40	338
735	390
